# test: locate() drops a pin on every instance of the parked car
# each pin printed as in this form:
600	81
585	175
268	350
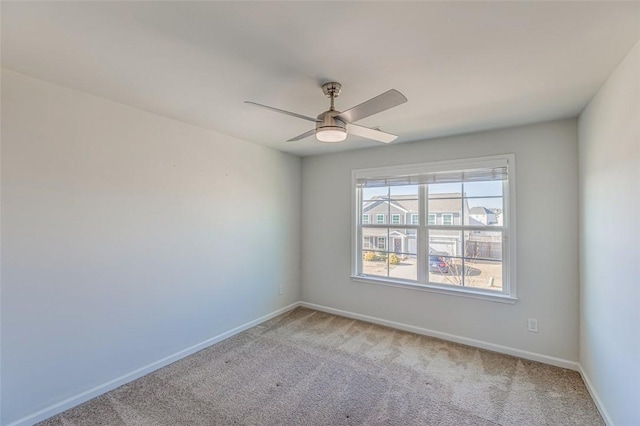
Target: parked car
438	264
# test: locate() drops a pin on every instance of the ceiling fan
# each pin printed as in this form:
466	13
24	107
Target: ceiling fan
333	125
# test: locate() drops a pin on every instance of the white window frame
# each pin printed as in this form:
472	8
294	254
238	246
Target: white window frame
384	243
435	218
415	219
450	216
365	216
378	221
508	293
393	219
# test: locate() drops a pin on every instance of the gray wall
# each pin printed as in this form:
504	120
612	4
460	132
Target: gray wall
547	233
609	158
127	237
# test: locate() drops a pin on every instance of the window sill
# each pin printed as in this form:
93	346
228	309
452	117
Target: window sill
473	294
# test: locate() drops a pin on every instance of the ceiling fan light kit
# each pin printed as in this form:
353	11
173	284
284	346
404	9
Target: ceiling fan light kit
333	126
331	134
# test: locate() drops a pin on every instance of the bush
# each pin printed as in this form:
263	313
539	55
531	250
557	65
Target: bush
394	259
370	256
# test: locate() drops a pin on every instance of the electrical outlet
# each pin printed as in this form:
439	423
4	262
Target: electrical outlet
533	325
281	290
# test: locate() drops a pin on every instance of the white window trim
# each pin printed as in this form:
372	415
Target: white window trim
449	215
509	295
435	218
367	221
378	219
393	217
416	217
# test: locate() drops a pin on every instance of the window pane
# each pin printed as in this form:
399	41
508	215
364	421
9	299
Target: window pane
375	193
483	244
403	266
396	219
374	238
404	191
431	219
445	270
484	211
485	274
375	263
445	243
404	207
438	190
483	189
403	241
448	211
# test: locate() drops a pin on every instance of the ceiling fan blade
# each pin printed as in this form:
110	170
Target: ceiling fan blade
366	132
304	117
375	105
302	136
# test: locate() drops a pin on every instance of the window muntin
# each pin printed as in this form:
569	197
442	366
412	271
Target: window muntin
365	219
395	219
464	243
380	219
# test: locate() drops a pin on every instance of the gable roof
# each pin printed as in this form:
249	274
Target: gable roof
438	203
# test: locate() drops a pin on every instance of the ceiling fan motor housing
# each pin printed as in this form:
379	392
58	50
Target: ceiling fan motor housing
330	128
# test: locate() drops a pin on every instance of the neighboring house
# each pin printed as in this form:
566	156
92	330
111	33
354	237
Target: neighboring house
444	209
483	215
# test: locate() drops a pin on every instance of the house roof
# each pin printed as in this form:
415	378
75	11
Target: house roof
480	210
438	203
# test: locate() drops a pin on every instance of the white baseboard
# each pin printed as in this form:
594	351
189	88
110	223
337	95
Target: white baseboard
61	406
558	362
68	403
595	397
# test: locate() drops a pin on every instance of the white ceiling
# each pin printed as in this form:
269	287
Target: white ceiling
464	66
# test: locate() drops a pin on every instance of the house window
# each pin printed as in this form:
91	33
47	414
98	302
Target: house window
365	219
464	254
366	243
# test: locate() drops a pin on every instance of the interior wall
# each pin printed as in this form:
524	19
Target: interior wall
609	160
127	237
547	241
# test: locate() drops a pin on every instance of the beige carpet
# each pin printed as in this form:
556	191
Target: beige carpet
311	368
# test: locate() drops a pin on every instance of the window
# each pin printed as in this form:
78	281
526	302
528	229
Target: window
366	243
466	246
365	219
